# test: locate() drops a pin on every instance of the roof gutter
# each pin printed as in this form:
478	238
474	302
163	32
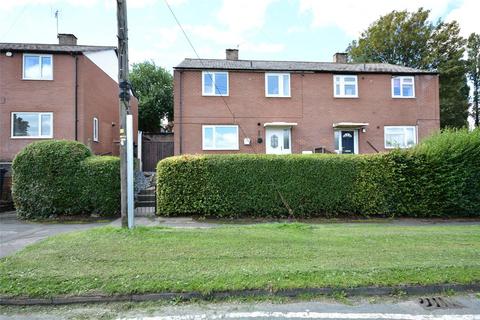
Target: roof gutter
307	71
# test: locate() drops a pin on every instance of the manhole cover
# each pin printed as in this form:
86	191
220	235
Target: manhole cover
431	303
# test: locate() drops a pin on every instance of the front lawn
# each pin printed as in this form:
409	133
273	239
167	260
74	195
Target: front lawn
116	261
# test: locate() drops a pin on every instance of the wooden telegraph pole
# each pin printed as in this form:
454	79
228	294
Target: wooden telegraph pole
124	106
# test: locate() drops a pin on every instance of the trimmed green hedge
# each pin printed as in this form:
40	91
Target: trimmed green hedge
440	177
60	177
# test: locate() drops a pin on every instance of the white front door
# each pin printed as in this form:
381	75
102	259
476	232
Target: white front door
278	140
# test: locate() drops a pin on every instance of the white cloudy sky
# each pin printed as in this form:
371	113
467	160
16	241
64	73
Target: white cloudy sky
261	29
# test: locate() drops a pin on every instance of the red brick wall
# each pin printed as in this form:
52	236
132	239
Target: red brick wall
55	96
311	105
97	96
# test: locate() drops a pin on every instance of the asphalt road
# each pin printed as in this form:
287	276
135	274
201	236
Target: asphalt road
404	308
400	310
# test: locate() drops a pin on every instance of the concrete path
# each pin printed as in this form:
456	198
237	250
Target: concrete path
174	222
16	234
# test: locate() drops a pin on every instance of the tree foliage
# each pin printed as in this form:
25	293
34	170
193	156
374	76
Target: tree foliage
473	67
410	39
154	87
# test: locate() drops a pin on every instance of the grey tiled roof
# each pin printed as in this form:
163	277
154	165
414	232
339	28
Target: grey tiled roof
221	64
38	47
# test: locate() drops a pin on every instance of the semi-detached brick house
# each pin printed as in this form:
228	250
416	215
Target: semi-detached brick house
58	91
282	107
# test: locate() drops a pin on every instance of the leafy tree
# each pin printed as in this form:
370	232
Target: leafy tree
410	39
154	87
473	67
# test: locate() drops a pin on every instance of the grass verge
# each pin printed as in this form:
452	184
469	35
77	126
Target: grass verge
110	260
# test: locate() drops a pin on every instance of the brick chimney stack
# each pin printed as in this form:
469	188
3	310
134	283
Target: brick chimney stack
67	39
232	54
340	57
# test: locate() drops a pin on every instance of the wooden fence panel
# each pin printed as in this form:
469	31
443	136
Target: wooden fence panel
154	151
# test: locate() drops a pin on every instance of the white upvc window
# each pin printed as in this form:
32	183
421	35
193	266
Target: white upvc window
215	83
403	87
400	136
37	66
95	129
345	86
32	125
277	85
220	137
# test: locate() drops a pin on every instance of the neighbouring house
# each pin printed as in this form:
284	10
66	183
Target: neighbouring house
58	91
283	107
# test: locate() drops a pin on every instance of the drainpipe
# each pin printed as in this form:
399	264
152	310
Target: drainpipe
180	113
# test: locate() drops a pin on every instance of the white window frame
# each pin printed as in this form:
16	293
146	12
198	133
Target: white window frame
342	86
280	85
213	127
39	114
415	137
95	129
40	62
402	78
212	75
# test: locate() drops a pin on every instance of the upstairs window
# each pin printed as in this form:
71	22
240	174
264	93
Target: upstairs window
220	137
95	129
32	125
214	83
277	85
345	86
400	137
37	67
403	87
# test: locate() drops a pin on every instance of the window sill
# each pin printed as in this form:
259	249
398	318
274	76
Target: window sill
346	97
403	97
210	149
391	148
214	95
40	79
26	138
278	96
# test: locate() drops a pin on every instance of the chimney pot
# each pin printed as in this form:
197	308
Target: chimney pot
232	54
340	57
67	39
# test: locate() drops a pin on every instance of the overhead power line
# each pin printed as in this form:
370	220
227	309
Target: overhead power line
16	19
282	198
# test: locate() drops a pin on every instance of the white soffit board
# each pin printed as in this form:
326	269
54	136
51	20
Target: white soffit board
105	60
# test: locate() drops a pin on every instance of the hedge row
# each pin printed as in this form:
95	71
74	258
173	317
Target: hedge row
440	177
59	177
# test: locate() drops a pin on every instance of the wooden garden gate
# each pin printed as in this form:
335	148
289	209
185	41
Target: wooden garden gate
154	149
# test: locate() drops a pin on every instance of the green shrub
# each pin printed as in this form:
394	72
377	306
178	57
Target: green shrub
101	185
59	177
439	177
256	185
